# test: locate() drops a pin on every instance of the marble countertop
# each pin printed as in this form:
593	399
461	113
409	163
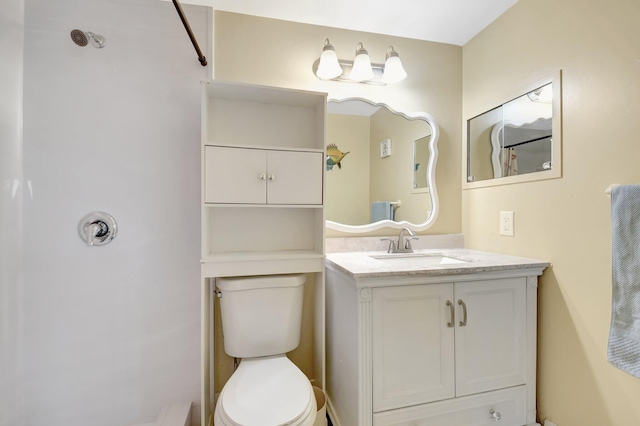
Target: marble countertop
363	265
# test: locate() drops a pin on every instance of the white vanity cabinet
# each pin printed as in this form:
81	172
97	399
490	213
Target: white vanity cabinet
262	176
431	350
434	342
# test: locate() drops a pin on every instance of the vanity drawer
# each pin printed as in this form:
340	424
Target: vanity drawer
508	404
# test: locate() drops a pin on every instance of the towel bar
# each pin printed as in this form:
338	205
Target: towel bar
608	190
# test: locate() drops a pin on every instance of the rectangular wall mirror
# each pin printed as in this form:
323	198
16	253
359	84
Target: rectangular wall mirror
517	141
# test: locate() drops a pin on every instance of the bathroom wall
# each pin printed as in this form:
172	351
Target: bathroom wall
566	220
281	53
112	333
11	305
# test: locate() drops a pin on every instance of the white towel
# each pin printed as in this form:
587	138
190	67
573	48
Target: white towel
624	335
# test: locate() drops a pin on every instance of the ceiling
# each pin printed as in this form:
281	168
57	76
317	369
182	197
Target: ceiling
445	21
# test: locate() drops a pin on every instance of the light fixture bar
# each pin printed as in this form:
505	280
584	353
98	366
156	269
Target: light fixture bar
329	67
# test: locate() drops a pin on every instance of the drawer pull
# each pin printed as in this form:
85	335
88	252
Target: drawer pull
452	311
463	323
495	415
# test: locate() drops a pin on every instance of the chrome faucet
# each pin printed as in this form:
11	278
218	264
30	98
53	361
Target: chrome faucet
402	245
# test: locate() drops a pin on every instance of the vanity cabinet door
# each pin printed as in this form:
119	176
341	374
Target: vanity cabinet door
413	338
490	345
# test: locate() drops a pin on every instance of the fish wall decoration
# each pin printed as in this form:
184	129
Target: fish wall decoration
334	156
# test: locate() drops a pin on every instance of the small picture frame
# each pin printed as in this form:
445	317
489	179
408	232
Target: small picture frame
385	148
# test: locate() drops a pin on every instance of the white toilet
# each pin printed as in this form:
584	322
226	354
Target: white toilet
261	319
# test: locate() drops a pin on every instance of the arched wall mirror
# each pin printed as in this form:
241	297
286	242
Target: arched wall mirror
381	165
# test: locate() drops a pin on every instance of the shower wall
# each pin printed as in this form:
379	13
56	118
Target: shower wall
112	333
11	369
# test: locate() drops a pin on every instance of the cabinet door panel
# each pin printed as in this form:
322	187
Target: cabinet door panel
233	175
294	177
412	345
490	348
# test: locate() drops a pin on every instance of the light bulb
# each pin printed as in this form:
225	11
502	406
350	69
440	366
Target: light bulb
361	70
328	67
393	69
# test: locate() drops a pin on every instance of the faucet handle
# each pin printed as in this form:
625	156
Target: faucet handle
407	244
392	244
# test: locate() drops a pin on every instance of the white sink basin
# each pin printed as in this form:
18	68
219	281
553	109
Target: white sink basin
418	259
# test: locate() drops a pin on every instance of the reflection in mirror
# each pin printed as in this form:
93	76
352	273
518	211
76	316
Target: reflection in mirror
420	161
519	137
390	152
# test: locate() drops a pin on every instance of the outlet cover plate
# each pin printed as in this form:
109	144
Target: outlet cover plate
507	224
385	148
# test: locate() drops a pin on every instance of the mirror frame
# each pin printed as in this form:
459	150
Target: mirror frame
556	148
431	175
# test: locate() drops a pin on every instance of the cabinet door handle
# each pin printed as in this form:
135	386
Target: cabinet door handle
453	313
464	312
272	176
495	415
263	176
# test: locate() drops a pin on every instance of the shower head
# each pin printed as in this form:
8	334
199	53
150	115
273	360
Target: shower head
82	38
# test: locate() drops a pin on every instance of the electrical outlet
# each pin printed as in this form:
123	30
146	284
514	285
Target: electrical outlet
507	226
385	148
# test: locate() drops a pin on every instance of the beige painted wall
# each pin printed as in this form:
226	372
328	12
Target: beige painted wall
280	53
566	220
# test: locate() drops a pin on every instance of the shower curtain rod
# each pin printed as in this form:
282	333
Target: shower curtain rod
201	58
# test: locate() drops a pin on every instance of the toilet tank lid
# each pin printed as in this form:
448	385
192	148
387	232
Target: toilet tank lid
260	281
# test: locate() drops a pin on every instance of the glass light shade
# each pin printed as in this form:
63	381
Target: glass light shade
393	70
328	68
361	70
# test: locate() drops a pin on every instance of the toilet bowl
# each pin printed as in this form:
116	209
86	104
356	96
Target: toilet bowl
266	391
261	318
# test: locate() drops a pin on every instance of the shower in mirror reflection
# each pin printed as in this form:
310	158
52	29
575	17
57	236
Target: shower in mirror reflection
519	140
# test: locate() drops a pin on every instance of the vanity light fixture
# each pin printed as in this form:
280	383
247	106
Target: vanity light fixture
360	70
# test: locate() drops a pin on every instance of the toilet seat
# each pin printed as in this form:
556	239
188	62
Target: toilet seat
266	391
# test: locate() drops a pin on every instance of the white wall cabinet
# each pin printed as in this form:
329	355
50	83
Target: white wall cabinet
262	178
259	176
262	200
437	351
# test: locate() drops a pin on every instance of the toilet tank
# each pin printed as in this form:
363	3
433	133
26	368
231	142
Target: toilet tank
261	315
